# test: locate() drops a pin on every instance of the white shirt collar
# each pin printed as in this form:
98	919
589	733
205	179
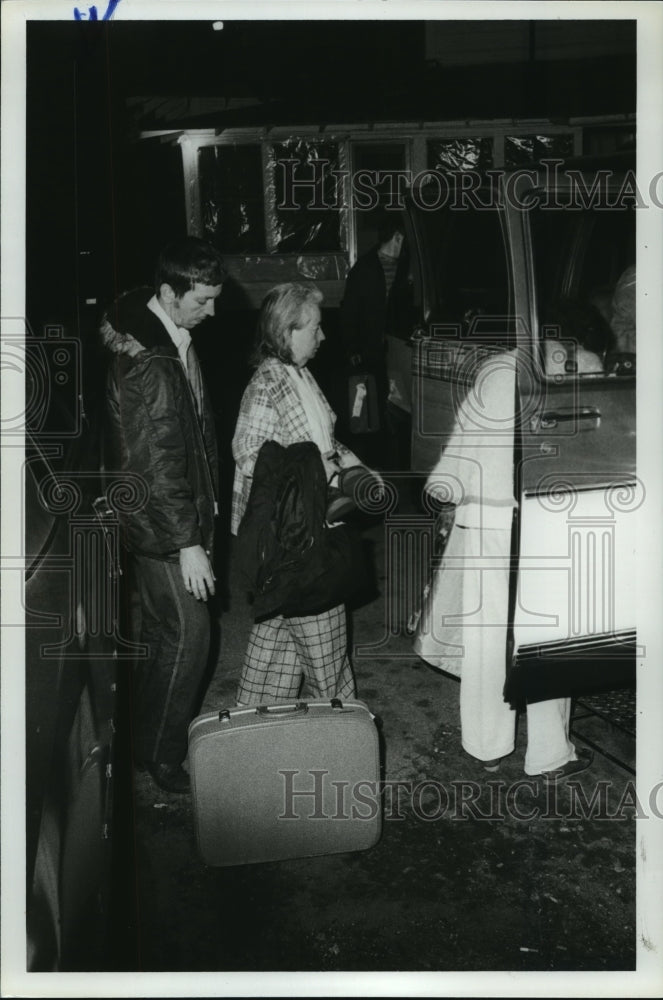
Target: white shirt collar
179	336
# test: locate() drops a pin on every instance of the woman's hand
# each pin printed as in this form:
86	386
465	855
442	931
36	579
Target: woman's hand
346	458
331	464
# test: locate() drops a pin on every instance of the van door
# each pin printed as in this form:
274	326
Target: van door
574	609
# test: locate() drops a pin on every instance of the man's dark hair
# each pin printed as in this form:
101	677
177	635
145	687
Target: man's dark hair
187	262
389	223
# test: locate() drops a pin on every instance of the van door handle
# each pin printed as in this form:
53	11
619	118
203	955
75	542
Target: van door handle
587	418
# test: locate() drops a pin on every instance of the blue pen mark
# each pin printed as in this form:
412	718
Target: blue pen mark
92	12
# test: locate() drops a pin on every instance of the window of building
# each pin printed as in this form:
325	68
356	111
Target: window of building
519	151
232	197
304	197
460	154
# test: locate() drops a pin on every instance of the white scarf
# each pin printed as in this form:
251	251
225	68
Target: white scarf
318	418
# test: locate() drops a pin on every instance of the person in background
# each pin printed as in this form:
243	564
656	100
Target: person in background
369	311
161	430
283	403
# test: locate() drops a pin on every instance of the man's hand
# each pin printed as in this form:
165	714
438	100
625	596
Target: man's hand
197	572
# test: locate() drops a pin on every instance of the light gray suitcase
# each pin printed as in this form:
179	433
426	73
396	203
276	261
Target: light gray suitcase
285	781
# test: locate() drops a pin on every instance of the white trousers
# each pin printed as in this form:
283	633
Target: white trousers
463	630
488	724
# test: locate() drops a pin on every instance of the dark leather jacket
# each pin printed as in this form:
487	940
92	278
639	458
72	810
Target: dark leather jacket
154	433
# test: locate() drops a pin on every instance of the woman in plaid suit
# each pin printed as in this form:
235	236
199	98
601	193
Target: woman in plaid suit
284	403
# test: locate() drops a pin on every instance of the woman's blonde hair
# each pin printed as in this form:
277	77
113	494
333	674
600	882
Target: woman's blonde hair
282	312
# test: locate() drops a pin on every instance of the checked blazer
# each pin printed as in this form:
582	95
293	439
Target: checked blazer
271	410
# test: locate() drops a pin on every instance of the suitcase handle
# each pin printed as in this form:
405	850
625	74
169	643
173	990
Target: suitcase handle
301	706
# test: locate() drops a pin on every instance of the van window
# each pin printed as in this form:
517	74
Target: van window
585	286
472	278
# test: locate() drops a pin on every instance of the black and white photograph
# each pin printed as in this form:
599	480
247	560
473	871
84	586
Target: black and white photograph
305	308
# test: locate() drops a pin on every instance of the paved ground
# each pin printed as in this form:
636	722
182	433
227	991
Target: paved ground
464	877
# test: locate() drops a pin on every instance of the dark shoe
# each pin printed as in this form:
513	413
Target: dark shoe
491	766
585	758
170	777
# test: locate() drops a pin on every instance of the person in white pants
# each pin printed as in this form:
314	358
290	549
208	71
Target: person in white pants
463	626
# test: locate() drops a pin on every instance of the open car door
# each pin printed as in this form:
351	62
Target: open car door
574	608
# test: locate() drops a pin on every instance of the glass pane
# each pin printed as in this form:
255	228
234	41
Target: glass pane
522	150
472	276
460	154
306	195
232	197
585	281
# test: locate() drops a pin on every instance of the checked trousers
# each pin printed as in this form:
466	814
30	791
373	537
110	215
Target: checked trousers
284	652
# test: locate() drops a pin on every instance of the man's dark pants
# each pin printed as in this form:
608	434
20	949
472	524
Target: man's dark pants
175	627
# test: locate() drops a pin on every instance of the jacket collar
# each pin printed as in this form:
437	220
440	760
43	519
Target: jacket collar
130	319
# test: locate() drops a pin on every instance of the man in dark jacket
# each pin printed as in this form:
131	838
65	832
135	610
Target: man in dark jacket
161	430
368	313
